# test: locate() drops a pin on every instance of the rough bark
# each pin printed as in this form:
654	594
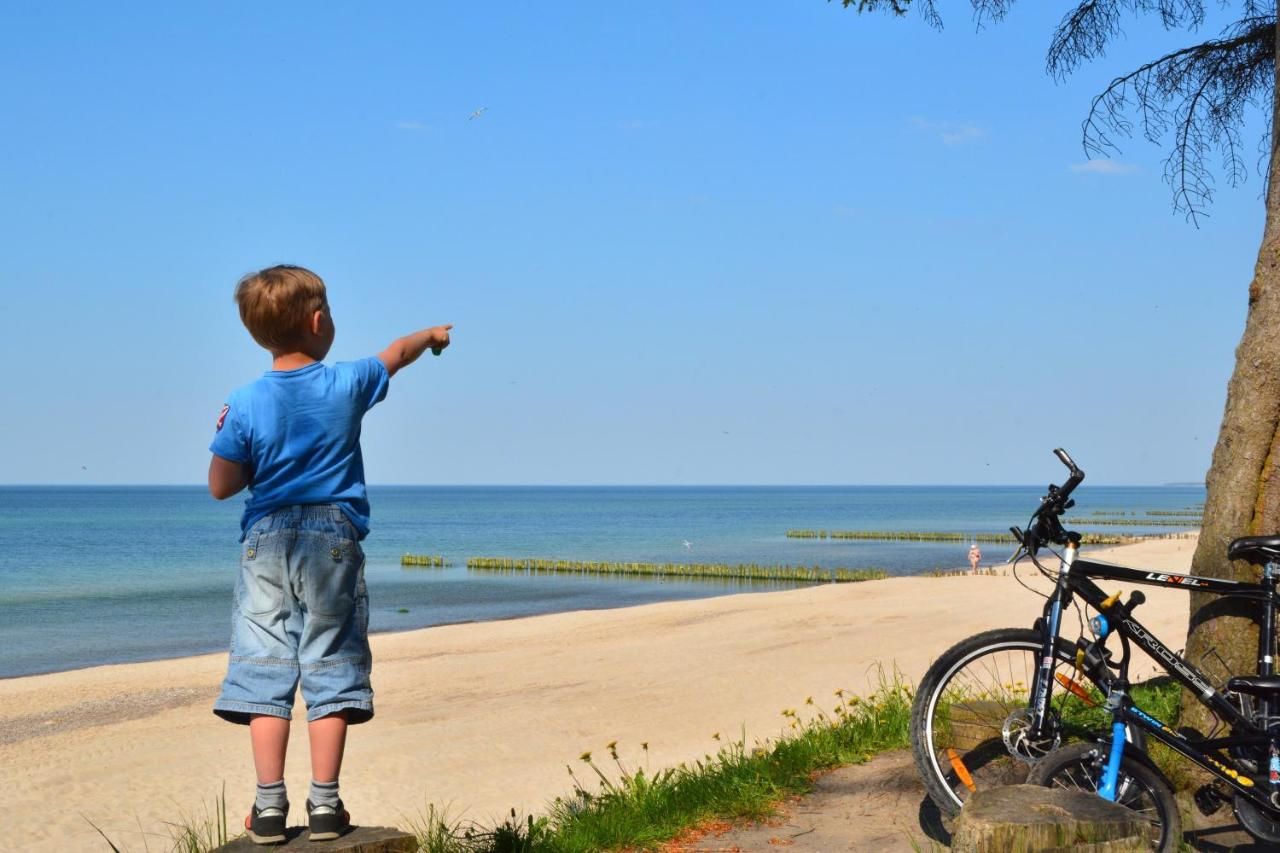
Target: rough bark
1243	486
1017	818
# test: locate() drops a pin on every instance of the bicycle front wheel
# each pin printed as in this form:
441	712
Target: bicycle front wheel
970	720
1079	767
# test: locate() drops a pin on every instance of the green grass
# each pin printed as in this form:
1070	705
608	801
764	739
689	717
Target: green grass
635	809
615	806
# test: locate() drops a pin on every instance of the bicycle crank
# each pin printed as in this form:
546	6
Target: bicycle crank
1262	824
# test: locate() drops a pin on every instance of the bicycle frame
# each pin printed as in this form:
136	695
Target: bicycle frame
1074	578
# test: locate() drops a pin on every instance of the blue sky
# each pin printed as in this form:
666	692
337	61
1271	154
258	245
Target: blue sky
701	242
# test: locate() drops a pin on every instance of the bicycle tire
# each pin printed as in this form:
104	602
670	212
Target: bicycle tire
984	672
1141	788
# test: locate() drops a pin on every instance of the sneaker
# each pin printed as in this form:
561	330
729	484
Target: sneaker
266	826
327	822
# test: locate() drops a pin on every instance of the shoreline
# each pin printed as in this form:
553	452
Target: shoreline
484	716
744	586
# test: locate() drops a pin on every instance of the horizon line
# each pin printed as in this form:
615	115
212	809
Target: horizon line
1170	484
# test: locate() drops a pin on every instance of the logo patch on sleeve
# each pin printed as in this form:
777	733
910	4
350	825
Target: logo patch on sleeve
222	417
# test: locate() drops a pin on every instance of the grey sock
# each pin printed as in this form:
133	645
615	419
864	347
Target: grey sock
271	796
324	793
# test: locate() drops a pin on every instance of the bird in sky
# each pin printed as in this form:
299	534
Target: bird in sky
688	545
477	113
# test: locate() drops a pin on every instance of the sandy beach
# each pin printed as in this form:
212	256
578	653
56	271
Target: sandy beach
484	717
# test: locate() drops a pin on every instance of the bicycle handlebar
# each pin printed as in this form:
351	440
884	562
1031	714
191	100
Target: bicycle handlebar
1044	525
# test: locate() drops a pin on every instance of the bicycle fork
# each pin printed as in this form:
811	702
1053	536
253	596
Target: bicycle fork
1053	620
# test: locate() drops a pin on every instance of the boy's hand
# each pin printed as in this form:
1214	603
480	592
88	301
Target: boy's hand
441	339
405	351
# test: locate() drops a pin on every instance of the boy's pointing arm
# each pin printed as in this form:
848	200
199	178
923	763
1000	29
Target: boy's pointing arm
405	351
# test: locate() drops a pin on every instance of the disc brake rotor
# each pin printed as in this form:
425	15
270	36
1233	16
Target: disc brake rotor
1020	742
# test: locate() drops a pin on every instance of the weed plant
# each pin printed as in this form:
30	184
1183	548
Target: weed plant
634	808
191	833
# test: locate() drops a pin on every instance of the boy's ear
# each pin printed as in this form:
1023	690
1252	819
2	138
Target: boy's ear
317	320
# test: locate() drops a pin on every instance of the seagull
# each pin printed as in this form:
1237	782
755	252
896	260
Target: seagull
688	545
477	113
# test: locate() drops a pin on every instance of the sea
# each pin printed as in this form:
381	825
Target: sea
102	575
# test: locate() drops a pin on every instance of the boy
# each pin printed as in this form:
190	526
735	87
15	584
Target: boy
301	611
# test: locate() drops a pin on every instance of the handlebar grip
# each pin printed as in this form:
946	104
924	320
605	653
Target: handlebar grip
1076	478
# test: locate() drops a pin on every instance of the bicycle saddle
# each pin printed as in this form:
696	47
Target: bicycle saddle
1256	685
1258	550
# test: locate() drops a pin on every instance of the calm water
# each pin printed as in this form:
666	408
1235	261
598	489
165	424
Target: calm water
112	574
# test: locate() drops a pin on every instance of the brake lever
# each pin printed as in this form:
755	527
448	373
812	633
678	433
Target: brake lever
1020	537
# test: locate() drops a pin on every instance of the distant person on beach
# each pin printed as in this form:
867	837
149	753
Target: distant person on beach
975	556
301	612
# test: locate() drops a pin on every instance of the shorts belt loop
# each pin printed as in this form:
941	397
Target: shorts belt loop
251	552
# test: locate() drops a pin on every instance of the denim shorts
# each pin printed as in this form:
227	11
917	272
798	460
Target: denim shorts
301	612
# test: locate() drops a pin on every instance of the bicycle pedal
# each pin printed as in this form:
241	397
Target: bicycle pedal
1209	799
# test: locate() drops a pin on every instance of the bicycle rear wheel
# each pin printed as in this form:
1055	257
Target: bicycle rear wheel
1079	767
970	717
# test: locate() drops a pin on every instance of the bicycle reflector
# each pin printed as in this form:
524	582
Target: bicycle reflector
961	771
1076	689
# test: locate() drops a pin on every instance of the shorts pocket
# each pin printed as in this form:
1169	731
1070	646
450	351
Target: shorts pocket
264	575
334	578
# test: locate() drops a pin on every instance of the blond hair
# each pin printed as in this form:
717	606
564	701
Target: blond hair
276	305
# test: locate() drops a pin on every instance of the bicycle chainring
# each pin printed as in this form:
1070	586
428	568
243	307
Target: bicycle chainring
1020	742
1262	824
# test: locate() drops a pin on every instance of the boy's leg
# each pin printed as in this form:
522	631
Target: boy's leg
328	737
334	658
325	815
270	737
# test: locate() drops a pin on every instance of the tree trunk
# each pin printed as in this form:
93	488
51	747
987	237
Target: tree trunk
1243	489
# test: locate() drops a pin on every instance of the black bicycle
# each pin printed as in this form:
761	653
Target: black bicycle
995	706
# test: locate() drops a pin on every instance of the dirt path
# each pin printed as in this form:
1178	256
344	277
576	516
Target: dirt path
878	806
881	806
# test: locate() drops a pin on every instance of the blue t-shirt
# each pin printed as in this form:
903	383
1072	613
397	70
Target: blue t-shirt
298	432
